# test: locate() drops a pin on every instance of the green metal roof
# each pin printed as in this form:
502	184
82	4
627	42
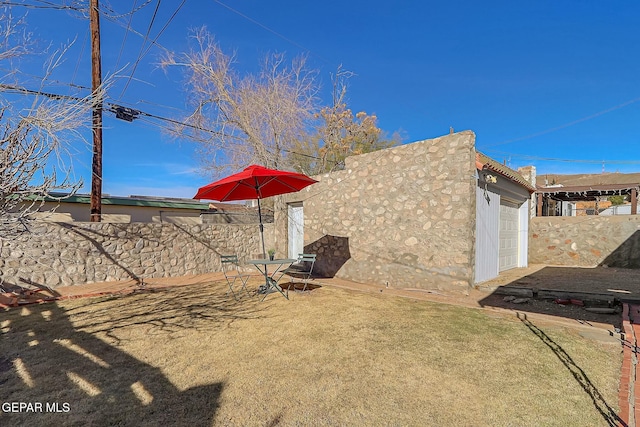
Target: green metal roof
131	201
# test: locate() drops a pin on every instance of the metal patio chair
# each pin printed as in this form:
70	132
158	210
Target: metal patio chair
232	272
302	269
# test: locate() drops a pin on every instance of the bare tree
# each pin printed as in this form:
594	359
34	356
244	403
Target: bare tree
245	119
340	133
38	133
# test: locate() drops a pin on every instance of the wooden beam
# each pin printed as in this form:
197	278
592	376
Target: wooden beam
634	201
539	205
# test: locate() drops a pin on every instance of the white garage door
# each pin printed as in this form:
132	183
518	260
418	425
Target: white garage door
508	253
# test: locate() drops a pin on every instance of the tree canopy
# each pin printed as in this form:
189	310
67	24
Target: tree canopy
243	119
273	118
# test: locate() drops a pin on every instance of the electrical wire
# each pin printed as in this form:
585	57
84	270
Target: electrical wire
566	125
126	33
146	38
555	159
143	54
54	81
133	31
155	104
46	5
264	27
112	107
133	11
112	17
84	44
166	25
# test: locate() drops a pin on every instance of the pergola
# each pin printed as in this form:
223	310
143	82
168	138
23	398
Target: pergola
587	193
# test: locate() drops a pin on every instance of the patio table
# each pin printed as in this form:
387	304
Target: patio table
271	279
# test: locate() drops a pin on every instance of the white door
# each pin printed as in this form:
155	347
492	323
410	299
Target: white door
487	232
296	230
508	252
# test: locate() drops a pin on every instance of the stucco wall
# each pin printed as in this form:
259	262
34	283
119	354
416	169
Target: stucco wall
585	241
403	216
80	212
57	254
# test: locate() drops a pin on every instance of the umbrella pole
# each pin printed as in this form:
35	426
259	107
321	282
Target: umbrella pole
264	253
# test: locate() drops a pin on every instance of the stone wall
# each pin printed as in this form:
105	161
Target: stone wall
403	216
585	241
235	217
62	254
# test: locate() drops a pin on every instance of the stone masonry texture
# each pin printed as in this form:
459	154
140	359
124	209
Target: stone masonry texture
588	241
63	254
404	216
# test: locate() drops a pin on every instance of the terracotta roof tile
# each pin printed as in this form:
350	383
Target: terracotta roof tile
485	162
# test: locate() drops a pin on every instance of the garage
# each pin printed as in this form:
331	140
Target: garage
508	235
502	219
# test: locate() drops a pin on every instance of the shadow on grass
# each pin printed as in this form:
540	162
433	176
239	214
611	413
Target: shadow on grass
79	379
167	310
608	414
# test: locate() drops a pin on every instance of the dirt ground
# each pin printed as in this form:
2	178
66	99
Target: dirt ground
584	287
618	281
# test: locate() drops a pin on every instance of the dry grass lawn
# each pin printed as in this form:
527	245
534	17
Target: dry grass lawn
193	356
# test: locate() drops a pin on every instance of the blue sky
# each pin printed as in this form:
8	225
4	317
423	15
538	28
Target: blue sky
535	80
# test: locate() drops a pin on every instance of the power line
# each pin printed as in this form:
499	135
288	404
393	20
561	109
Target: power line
162	30
146	38
127	113
45	5
54	81
131	30
259	24
124	113
130	114
18	89
84	43
151	103
126	33
555	159
566	125
133	11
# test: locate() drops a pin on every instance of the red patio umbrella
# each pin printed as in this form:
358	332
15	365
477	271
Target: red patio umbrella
254	183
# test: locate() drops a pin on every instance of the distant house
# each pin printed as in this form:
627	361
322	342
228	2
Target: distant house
585	194
617	210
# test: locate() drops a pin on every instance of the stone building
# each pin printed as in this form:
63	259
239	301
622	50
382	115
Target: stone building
431	214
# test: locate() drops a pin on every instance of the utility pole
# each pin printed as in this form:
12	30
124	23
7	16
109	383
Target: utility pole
96	82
